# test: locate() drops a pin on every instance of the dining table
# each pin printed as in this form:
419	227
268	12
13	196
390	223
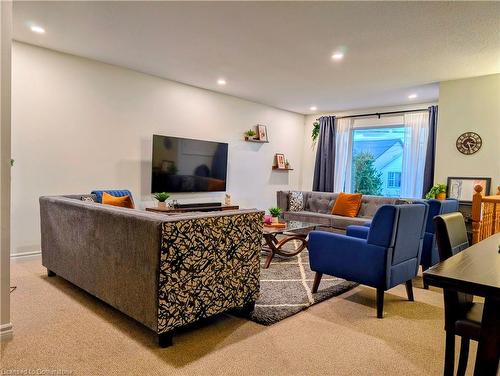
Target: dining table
476	271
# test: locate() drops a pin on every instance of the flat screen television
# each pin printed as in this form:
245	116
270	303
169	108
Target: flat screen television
186	165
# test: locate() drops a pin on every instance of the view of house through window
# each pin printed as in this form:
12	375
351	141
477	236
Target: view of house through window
377	160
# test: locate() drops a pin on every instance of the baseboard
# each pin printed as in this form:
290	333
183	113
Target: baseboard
26	254
6	332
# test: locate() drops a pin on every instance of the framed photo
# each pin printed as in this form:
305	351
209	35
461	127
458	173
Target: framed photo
262	132
462	188
280	160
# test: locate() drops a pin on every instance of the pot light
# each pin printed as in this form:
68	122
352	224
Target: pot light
412	96
313	108
37	29
221	81
338	56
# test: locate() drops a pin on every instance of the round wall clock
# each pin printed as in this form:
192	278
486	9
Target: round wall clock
468	143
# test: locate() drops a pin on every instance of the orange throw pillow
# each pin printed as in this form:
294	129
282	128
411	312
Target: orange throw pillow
347	204
123	201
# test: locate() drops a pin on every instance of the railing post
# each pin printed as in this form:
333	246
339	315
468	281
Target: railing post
496	214
476	213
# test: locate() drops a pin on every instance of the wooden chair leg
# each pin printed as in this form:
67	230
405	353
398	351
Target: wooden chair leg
409	290
464	356
449	355
317	280
380	303
424	268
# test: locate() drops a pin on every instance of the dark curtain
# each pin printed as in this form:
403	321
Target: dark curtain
325	155
430	155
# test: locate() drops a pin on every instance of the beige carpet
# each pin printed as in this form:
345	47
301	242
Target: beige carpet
57	326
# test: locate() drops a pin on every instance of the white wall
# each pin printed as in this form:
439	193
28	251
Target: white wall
79	125
309	153
5	141
471	104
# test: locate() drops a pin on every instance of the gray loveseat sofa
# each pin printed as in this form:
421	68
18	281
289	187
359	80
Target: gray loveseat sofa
163	271
318	207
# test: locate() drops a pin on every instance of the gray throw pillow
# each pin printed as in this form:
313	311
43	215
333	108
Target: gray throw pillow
295	201
88	199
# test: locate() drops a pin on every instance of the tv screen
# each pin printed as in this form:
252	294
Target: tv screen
186	165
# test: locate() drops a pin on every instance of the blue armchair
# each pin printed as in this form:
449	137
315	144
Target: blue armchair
430	254
390	254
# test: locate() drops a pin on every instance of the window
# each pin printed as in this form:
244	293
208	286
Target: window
394	179
368	148
377	160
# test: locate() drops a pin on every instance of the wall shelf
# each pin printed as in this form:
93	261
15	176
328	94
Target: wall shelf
282	169
257	141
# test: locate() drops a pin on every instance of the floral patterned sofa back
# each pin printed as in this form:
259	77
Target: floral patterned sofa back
163	271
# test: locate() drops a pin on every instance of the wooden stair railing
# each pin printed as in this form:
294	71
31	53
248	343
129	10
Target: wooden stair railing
485	214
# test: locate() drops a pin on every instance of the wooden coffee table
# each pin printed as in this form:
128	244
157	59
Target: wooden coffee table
275	246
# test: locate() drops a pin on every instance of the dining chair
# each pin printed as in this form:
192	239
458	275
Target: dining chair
462	315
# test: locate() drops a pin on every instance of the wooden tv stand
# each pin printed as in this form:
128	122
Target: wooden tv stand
207	208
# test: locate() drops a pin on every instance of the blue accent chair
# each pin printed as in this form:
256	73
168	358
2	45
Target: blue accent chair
390	254
430	254
112	192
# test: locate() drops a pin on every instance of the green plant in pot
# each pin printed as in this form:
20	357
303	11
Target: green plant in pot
250	134
161	197
315	131
438	191
275	213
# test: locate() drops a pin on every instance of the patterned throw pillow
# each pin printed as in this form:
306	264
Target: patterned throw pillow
403	201
88	199
295	201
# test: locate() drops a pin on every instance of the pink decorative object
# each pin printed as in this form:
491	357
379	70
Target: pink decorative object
267	219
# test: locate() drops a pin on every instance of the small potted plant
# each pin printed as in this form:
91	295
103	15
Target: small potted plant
438	191
275	213
162	197
287	164
250	134
315	131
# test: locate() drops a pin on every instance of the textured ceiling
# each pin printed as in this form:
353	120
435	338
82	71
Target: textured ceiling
279	53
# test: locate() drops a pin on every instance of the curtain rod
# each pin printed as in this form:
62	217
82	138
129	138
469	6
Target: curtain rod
378	114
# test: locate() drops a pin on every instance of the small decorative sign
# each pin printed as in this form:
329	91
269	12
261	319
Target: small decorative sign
280	161
262	132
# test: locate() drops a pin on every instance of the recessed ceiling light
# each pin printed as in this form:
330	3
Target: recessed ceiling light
313	108
37	29
338	56
412	96
221	81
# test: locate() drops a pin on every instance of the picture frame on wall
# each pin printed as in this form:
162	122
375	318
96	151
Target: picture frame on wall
262	132
280	160
462	188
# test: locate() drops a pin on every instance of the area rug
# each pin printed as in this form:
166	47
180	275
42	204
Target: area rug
285	288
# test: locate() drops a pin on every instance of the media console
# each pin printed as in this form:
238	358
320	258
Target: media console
201	207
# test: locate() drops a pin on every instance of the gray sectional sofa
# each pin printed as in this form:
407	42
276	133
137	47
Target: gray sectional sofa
318	207
163	271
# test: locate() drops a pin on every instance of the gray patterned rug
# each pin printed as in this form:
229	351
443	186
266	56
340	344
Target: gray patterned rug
285	288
